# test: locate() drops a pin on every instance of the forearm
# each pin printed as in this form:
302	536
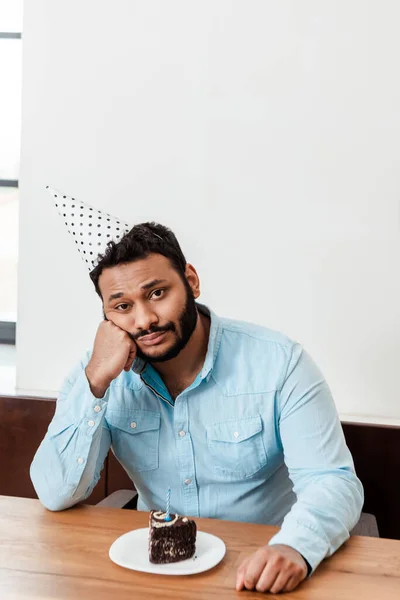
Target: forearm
98	385
329	494
67	464
328	507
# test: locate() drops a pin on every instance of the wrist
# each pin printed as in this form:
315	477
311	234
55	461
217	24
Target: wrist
98	385
309	567
285	548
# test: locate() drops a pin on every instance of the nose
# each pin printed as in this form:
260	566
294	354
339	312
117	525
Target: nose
144	318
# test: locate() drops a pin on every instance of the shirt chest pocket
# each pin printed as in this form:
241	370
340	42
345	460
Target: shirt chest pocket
237	447
135	438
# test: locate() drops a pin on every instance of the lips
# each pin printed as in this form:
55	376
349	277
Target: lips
152	339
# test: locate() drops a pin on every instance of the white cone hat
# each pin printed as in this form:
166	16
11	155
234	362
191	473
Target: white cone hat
90	228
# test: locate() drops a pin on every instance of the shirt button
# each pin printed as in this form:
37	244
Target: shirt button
236	433
188	481
133	425
97	408
80	461
90	423
182	433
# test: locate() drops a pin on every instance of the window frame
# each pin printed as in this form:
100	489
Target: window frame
10	35
8	328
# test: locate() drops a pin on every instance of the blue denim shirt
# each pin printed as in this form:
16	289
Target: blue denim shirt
255	438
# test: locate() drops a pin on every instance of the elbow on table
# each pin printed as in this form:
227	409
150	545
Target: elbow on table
57	504
51	499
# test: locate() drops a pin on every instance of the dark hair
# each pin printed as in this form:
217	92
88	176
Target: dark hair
141	241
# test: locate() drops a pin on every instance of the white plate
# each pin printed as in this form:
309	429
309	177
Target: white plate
131	551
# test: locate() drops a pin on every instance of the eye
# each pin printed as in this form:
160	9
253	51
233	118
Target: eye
157	294
123	306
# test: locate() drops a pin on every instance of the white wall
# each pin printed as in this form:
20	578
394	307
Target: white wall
265	134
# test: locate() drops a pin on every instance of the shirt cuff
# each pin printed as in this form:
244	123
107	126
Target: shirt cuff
307	543
82	404
309	568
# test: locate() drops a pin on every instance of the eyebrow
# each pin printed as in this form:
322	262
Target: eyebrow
115	296
153	283
144	287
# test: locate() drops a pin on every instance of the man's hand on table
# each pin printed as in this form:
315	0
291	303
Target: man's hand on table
274	569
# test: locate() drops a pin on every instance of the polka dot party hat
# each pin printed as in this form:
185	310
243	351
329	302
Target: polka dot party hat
90	228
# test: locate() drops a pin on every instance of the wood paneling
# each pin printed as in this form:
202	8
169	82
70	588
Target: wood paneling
23	424
376	454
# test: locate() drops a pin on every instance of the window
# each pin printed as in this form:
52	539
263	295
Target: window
10	127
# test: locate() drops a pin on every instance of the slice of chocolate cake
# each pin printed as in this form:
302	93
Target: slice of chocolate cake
171	541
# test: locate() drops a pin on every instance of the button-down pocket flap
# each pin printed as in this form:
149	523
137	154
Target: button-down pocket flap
136	421
235	430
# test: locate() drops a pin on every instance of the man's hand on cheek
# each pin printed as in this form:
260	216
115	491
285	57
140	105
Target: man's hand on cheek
272	569
131	357
113	351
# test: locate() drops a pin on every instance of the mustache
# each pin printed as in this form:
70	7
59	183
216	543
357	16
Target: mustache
169	327
137	336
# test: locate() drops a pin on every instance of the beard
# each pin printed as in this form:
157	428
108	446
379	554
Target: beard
187	322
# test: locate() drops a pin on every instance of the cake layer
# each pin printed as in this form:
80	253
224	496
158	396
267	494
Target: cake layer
171	541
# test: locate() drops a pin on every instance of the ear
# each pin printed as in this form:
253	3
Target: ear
193	279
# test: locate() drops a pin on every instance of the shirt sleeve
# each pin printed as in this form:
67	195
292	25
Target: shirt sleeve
329	494
68	462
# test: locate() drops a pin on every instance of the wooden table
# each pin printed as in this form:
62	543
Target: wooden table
64	555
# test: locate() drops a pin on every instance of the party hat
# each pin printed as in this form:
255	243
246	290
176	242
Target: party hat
90	228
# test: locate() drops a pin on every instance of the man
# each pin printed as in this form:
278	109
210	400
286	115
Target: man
235	418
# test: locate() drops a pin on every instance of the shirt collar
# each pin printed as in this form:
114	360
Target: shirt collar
214	340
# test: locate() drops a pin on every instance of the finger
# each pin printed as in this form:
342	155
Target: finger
254	570
292	583
131	358
129	363
241	573
267	577
281	581
133	349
